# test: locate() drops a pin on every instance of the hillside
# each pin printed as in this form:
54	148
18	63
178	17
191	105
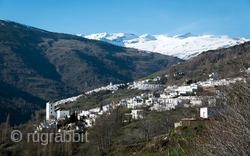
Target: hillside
50	66
226	63
156	133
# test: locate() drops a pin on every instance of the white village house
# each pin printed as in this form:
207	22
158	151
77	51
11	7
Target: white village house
52	113
206	112
137	114
62	114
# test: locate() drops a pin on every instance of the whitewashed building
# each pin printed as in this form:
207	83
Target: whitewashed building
137	114
110	87
89	122
141	85
50	111
83	114
204	112
187	90
135	102
177	124
62	114
149	101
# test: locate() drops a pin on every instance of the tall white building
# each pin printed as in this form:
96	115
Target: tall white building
204	112
50	111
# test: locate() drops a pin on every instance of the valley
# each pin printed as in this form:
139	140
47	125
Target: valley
125	92
50	66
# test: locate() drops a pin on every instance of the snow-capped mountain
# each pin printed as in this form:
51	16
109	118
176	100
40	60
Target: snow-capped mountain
183	46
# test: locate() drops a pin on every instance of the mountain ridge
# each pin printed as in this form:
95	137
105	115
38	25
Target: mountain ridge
183	46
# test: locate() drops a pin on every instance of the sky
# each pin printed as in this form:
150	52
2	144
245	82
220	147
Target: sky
172	17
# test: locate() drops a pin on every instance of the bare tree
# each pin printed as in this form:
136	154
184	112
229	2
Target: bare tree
105	128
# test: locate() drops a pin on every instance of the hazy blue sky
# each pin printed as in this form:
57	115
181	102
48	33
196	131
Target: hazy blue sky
223	17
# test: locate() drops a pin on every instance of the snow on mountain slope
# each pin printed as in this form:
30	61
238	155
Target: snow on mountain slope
183	46
115	38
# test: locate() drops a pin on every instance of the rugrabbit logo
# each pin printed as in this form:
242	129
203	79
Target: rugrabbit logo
45	138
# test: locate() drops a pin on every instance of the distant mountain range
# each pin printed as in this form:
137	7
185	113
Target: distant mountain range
183	46
37	66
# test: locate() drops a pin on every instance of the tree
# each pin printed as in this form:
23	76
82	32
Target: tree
106	126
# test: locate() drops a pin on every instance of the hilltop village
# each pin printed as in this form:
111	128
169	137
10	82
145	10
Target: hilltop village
154	97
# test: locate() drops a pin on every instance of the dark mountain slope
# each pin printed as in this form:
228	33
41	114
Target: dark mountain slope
51	66
18	104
